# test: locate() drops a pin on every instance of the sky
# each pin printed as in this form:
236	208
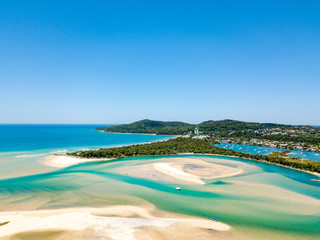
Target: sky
122	61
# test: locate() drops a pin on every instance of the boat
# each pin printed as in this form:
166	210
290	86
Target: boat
214	219
178	188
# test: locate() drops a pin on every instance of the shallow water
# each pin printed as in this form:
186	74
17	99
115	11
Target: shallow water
270	198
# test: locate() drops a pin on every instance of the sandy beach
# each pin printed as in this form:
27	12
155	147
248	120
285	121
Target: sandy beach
177	172
184	170
62	161
115	222
181	170
194	170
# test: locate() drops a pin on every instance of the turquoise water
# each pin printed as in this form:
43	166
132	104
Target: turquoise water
24	147
315	156
19	137
263	202
277	201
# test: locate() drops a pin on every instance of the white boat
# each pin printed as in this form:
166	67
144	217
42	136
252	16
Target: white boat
178	188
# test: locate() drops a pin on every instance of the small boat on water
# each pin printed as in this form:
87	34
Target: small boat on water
178	188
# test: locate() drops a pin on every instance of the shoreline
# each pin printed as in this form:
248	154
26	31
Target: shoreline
176	168
119	222
73	160
152	134
172	167
251	159
55	160
61	165
280	148
257	145
176	136
63	160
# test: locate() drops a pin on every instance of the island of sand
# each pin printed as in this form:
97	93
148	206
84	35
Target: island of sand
114	222
175	170
181	170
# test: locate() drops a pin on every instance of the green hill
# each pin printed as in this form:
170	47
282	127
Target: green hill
151	127
178	128
237	131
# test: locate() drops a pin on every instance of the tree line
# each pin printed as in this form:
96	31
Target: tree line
197	146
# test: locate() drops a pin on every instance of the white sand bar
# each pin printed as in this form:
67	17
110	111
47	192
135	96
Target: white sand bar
117	228
175	172
194	170
62	161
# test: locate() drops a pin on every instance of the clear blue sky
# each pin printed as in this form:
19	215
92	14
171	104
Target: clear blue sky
121	61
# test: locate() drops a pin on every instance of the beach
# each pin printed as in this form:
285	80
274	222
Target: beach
62	161
192	171
116	222
139	196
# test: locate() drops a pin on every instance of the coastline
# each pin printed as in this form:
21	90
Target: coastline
136	222
172	168
267	146
152	134
251	159
59	163
120	222
279	149
63	160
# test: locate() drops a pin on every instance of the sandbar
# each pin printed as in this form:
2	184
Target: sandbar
114	222
180	170
62	161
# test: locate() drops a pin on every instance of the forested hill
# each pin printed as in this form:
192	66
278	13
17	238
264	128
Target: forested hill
178	128
152	127
237	131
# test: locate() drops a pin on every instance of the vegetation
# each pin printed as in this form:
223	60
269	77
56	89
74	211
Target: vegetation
197	146
151	127
226	129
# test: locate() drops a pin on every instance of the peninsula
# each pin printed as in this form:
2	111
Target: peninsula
190	145
305	138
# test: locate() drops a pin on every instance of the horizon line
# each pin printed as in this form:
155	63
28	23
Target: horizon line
313	125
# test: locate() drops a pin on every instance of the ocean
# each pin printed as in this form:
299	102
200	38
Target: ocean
20	137
23	148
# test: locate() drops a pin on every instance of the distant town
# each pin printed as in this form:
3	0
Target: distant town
262	142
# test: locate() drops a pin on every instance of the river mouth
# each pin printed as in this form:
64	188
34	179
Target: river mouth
275	200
